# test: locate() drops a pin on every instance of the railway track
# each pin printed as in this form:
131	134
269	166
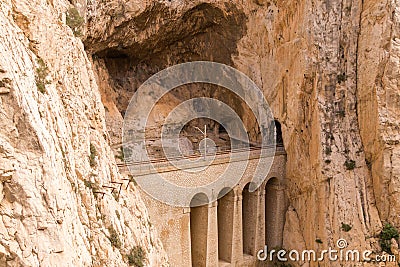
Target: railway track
195	161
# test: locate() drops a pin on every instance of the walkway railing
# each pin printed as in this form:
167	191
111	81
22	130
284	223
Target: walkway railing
197	160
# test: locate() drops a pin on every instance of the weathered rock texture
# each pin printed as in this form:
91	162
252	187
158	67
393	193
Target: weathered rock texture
54	152
329	69
379	102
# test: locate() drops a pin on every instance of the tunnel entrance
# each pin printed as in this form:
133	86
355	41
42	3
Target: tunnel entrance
278	136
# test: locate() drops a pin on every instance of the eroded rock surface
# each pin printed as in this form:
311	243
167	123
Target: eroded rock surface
329	69
329	72
55	154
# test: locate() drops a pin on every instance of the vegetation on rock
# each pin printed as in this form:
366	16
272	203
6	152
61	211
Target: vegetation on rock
114	238
136	257
92	156
346	227
350	164
388	232
75	21
41	73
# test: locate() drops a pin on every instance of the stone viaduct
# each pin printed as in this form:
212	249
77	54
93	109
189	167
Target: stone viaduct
229	231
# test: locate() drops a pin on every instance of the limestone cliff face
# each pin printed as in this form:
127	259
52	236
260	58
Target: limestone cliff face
54	152
330	71
378	108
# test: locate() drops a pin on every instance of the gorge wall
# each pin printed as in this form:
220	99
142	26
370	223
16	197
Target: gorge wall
328	69
330	73
55	153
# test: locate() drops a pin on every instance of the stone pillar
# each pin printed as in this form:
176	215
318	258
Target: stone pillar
198	235
260	230
226	209
212	234
186	255
281	214
237	242
250	207
275	213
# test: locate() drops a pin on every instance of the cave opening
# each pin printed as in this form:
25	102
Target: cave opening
205	32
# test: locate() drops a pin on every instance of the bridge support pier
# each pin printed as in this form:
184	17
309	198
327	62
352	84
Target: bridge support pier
250	211
212	241
237	242
260	221
275	212
259	226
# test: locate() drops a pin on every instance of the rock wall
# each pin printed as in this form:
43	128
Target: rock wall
314	51
378	108
54	152
329	70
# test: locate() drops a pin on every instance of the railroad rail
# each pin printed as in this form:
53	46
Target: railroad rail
197	160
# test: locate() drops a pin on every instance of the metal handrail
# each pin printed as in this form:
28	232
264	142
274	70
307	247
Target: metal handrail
197	156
